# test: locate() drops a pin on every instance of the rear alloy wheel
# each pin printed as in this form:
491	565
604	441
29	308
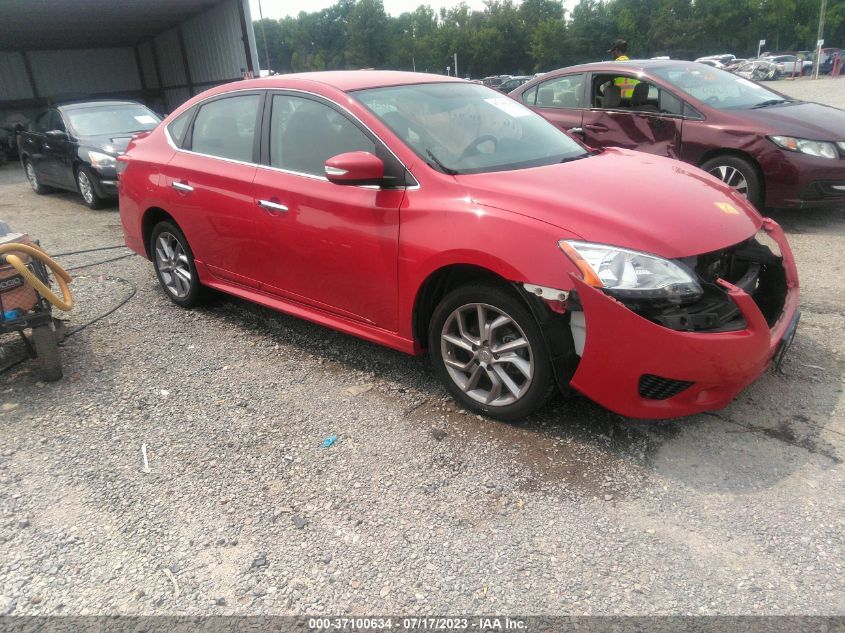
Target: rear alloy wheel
85	184
487	349
174	265
32	177
737	173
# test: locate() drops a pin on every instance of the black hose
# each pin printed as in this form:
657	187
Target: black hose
89	250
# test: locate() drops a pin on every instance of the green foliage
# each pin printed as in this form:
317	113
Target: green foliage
510	36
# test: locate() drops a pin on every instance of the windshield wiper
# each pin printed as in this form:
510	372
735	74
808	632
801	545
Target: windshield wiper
569	159
770	102
443	168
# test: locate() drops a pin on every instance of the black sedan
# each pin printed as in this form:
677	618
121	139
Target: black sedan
74	146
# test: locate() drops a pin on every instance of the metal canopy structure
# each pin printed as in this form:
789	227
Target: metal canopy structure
62	24
158	51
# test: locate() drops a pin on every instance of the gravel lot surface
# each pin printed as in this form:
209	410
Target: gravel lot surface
418	507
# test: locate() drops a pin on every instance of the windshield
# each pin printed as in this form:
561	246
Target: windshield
467	128
717	88
112	120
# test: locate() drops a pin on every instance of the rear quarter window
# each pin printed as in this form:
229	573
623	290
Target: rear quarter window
179	126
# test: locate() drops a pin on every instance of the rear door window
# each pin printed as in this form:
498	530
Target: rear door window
561	92
226	128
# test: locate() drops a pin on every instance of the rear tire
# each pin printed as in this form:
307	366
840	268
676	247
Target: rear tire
504	371
47	351
32	177
739	174
85	186
174	265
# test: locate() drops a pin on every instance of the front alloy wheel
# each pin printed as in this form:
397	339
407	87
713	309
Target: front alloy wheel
487	349
486	354
86	189
738	173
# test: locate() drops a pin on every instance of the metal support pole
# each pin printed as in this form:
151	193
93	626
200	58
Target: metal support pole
820	38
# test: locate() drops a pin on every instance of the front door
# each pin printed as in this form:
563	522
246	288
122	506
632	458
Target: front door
331	246
644	117
210	187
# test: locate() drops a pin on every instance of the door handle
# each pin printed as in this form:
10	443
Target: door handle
596	127
576	130
181	186
273	208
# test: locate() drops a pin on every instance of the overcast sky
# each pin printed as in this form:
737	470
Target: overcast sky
280	8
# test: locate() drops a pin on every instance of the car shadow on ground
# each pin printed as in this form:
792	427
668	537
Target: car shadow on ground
772	429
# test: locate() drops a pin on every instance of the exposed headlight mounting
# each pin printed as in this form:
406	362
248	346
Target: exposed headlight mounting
822	149
628	274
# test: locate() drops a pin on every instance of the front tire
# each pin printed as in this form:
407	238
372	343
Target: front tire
738	173
174	265
487	349
85	186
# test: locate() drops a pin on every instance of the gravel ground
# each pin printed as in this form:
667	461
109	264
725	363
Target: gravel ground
418	507
827	90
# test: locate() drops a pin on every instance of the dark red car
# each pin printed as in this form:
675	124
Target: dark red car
776	151
428	213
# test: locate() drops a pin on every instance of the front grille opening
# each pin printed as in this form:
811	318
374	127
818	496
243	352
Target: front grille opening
659	388
749	265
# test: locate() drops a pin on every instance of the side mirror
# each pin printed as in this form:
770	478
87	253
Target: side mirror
355	168
56	135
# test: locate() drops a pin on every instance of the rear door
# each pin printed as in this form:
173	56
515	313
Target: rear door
32	144
559	100
650	120
210	186
334	247
57	152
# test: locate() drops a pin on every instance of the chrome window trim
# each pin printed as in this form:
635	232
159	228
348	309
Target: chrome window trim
269	92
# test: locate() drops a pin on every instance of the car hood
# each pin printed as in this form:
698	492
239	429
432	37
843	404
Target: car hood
624	198
812	121
107	144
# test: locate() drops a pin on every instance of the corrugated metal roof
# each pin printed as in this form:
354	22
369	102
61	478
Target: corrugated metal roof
170	59
69	72
213	53
52	24
14	82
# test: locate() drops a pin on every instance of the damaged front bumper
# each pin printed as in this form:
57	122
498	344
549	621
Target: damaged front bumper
641	369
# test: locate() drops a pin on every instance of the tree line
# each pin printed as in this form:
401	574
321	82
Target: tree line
514	37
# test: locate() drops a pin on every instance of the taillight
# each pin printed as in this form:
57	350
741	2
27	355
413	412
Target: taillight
122	164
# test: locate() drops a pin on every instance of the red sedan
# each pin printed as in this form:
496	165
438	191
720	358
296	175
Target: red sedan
774	150
428	213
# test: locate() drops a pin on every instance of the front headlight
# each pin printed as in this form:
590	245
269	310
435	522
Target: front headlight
822	149
628	274
841	146
101	161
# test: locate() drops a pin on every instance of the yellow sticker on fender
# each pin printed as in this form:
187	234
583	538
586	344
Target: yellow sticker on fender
727	207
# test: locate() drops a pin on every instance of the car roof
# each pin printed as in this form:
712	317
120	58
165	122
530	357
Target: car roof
79	105
633	64
348	80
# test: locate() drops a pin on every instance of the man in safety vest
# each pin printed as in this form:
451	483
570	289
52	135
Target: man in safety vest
619	51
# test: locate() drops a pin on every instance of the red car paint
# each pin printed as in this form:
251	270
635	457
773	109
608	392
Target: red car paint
356	258
790	179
